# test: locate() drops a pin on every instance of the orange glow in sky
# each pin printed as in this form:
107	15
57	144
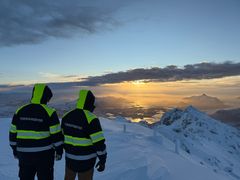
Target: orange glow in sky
171	93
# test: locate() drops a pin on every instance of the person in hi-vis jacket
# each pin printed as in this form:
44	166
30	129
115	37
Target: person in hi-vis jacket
84	141
35	136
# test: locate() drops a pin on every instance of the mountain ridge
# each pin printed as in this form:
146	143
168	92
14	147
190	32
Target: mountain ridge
203	102
217	145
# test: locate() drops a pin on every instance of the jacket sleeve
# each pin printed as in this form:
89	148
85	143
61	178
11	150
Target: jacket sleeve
56	133
98	139
13	134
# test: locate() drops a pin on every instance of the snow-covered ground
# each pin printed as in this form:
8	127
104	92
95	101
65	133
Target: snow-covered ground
215	144
137	154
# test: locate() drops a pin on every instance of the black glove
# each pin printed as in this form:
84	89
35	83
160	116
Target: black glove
58	153
100	166
58	157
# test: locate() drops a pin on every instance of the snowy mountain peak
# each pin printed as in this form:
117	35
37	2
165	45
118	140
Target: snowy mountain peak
169	117
191	109
190	113
193	119
216	144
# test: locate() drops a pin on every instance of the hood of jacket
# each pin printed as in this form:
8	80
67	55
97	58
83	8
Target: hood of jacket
41	94
86	100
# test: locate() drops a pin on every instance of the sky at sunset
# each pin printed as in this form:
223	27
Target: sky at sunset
149	52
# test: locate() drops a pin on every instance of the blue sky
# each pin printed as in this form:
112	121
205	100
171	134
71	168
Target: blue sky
142	34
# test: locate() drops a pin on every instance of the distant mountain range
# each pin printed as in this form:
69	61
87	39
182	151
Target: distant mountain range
216	144
203	102
110	106
230	116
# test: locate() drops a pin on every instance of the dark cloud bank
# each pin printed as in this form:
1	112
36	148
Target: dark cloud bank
170	73
156	74
28	21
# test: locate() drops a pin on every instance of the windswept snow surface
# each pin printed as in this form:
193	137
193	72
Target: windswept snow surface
137	154
205	140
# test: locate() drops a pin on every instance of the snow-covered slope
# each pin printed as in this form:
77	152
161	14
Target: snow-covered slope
206	141
136	154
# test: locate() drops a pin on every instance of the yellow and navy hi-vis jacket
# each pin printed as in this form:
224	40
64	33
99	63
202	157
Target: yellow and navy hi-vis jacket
35	127
83	135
